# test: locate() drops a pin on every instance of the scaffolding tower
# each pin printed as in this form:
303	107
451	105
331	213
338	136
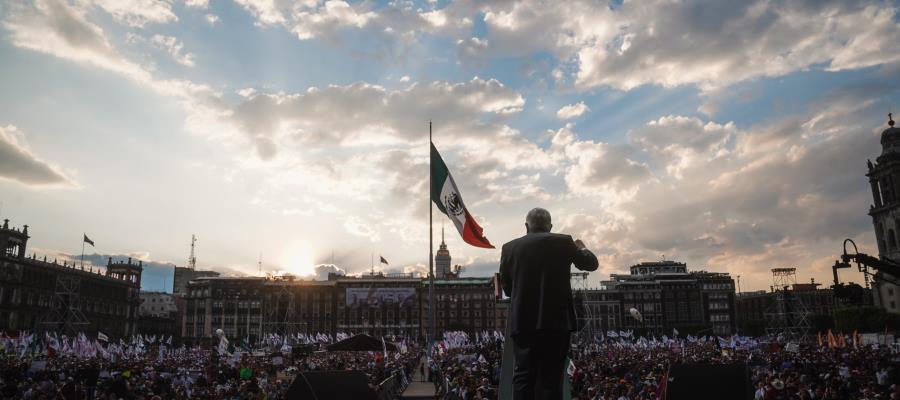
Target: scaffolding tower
66	317
587	319
280	314
787	318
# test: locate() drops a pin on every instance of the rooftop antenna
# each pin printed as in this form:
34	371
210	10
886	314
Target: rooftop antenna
192	261
891	119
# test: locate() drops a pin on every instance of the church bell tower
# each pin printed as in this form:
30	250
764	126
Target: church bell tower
884	178
442	259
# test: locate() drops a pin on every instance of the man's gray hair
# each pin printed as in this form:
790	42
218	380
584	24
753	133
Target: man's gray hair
538	220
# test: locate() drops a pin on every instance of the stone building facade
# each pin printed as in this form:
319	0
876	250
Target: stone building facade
668	297
377	304
463	304
41	295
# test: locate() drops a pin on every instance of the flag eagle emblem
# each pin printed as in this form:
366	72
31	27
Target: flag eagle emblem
453	204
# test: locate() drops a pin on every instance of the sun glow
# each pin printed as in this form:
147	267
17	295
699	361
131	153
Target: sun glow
297	259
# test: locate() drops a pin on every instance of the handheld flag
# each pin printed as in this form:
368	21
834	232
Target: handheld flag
446	197
102	337
383	261
88	240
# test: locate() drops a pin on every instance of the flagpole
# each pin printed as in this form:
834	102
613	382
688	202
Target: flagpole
82	251
432	322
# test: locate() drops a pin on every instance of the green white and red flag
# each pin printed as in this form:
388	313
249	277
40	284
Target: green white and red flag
445	195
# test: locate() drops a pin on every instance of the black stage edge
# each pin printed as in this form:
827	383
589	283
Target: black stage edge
709	382
330	385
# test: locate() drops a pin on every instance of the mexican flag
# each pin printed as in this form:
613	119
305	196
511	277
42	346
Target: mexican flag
445	195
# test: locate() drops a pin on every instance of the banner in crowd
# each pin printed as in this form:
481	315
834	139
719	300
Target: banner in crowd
375	297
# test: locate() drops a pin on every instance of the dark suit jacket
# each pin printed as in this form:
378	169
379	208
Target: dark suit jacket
534	273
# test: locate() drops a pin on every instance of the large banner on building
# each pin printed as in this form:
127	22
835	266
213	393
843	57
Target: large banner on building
376	297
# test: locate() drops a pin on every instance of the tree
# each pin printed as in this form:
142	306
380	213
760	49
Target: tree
865	319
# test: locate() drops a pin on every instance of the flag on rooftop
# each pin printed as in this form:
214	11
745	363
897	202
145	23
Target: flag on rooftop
445	195
383	261
88	240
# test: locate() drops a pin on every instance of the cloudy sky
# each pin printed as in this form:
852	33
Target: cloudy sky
731	135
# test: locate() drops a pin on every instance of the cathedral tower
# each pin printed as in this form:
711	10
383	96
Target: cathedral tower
884	178
442	260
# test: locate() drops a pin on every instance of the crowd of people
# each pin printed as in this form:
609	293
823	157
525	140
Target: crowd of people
462	368
467	369
638	369
604	372
198	372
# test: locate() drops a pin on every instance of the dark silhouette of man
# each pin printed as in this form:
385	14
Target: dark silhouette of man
534	272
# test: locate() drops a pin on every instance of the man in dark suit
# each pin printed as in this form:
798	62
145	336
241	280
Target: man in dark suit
534	272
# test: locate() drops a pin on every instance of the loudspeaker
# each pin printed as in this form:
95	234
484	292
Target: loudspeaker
330	385
709	382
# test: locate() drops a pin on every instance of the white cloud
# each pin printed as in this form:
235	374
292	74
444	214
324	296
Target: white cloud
572	111
366	114
174	47
322	271
138	13
62	30
395	25
678	142
782	193
267	12
57	28
655	42
201	4
598	169
211	19
672	44
633	44
18	163
313	22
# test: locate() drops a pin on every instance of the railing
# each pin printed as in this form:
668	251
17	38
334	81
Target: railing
392	387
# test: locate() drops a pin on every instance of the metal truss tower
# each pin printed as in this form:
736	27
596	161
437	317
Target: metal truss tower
584	312
280	314
66	316
787	319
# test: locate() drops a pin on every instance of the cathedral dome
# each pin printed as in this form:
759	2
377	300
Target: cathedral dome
890	138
